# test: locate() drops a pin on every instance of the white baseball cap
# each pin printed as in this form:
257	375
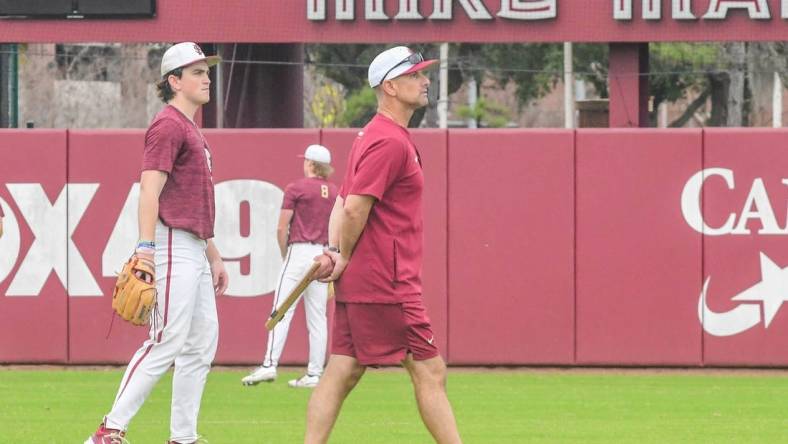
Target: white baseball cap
395	62
184	54
318	153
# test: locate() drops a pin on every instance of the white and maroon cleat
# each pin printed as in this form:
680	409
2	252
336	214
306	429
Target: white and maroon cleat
107	436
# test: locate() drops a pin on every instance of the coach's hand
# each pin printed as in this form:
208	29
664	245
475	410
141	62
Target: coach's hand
326	266
340	263
220	277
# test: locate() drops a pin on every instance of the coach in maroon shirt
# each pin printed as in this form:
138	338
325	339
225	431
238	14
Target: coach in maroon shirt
375	257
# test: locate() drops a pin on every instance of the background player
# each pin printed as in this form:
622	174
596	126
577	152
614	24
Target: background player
380	317
302	234
176	218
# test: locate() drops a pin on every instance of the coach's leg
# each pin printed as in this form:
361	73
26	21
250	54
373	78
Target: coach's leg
429	383
194	362
341	375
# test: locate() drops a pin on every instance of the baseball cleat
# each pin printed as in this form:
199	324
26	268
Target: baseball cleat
260	374
306	381
107	436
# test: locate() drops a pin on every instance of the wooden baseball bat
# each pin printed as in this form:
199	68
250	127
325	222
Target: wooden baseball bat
279	312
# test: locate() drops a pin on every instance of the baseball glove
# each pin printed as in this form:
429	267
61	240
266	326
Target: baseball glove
134	296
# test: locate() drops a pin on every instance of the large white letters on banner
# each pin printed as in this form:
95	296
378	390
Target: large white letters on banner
756	207
622	9
260	245
316	9
718	9
52	248
9	242
690	202
474	8
537	9
528	9
762	211
373	10
652	9
408	10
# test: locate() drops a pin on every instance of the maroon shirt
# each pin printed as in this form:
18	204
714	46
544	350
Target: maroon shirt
386	263
173	144
311	200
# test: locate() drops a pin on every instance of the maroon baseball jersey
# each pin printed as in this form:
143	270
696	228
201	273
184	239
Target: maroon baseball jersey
173	144
386	263
311	200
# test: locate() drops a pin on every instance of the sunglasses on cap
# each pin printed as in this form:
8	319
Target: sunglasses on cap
413	59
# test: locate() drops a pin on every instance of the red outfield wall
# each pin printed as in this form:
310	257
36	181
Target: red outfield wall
589	247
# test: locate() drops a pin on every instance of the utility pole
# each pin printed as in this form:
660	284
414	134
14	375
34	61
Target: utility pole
569	82
443	99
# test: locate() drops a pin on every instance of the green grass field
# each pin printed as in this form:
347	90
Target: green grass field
42	406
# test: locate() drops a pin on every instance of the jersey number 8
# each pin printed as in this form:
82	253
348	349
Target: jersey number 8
324	191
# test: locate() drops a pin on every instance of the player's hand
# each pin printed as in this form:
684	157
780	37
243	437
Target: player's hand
326	266
145	254
220	277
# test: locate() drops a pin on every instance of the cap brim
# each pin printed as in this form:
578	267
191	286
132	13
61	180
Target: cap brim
213	60
420	66
210	60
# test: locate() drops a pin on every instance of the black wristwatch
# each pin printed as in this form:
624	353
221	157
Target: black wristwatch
334	249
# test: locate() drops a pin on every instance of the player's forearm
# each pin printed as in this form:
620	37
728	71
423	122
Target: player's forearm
148	214
335	222
281	238
212	253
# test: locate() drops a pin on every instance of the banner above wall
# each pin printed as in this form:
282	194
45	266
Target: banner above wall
385	21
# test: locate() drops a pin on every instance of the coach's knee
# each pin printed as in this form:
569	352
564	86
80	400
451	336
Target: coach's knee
430	373
353	377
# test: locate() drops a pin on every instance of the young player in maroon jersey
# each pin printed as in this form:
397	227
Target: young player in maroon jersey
176	217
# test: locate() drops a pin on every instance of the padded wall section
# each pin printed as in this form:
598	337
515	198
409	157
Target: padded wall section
638	262
511	253
34	247
745	266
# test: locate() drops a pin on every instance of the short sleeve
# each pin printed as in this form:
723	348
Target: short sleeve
162	143
1	211
291	196
378	168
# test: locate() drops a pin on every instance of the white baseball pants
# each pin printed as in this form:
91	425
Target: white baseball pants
300	257
185	333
